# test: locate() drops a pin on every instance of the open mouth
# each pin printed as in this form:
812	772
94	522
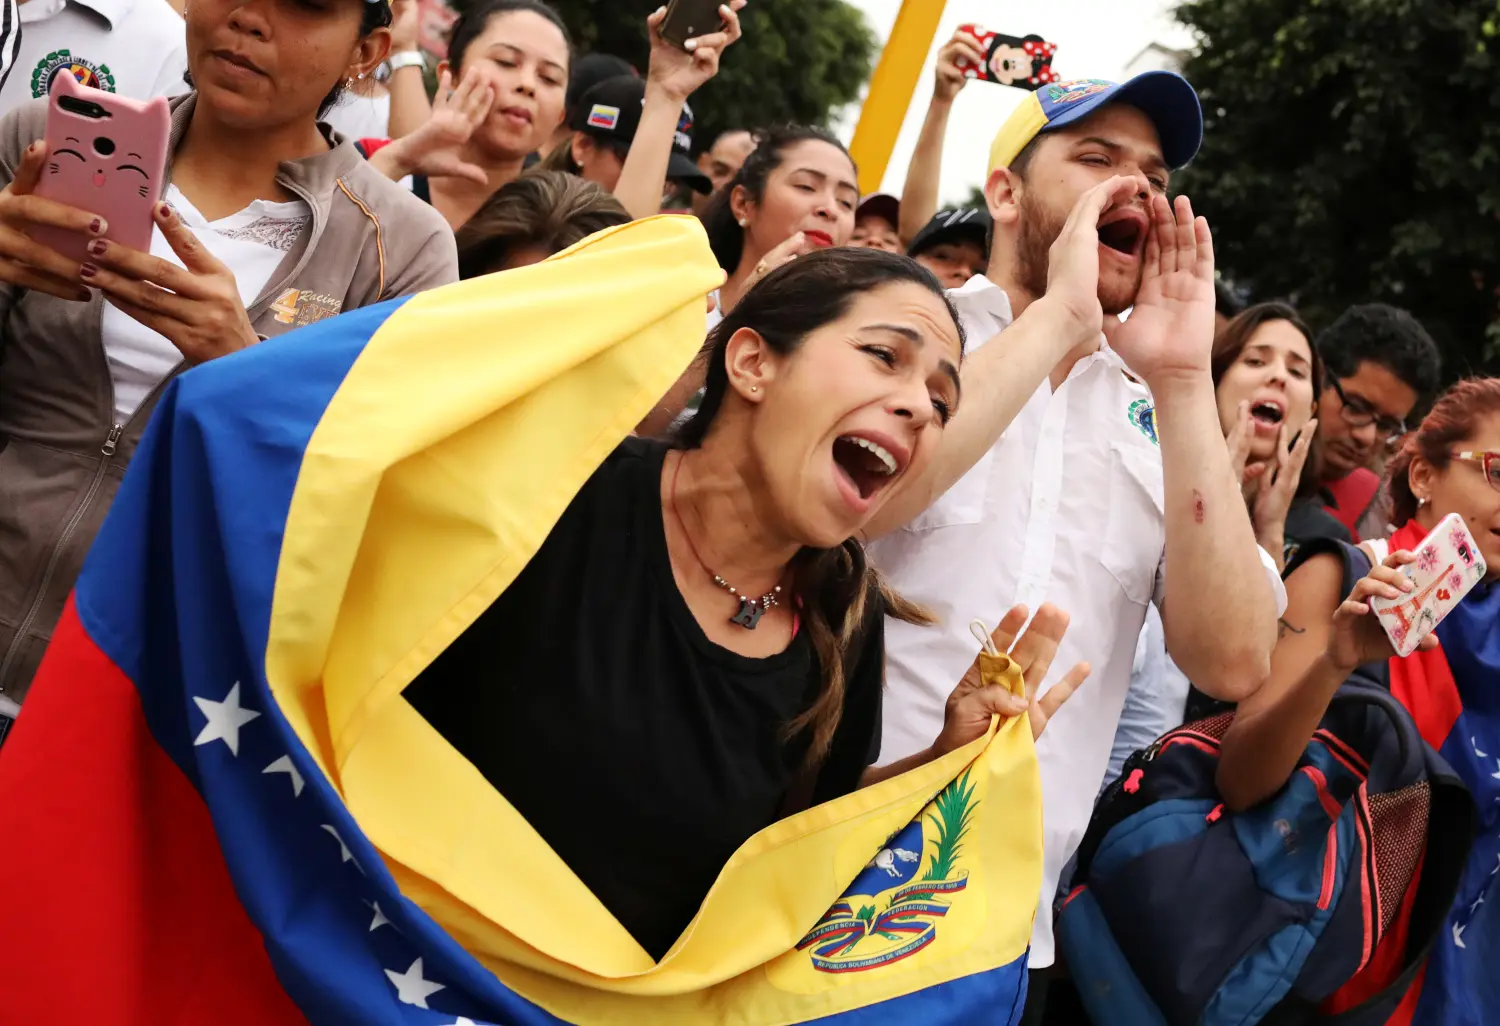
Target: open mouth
1267	412
1125	236
868	465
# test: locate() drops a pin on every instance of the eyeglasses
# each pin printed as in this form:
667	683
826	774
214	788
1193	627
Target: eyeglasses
1489	462
1358	412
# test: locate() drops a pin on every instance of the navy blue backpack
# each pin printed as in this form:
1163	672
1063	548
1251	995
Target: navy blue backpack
1184	914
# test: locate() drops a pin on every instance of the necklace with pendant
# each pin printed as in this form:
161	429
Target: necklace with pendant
751	609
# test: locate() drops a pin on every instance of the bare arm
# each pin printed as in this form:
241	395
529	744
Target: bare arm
410	107
1220	636
671	78
1272	726
919	196
1322	641
1003	374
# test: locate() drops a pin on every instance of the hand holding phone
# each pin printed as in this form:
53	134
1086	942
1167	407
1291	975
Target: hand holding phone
1021	61
106	155
1446	567
688	19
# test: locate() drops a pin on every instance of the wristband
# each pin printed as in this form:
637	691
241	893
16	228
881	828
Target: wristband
406	59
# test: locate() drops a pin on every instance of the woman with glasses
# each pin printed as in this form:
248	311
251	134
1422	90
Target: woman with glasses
1450	465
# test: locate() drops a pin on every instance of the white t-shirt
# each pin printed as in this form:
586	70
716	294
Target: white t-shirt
1067	507
136	48
361	117
252	243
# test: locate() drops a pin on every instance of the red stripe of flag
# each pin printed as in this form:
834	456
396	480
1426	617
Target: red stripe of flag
118	908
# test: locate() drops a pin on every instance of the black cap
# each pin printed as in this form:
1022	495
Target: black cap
591	69
612	110
970	223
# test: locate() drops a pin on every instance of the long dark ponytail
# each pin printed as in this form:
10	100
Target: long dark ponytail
725	236
837	586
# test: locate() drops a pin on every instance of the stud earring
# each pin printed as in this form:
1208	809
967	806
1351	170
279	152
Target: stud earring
754	388
1422	501
744	222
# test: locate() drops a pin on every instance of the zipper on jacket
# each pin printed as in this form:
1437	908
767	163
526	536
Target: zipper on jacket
106	450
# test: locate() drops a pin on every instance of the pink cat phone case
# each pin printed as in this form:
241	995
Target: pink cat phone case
1448	566
106	154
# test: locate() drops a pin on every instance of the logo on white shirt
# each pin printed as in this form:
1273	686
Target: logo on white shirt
85	72
1143	416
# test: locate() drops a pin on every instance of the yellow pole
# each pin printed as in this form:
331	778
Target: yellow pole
891	89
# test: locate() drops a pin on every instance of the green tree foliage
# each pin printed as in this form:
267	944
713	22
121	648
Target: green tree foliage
799	61
1352	154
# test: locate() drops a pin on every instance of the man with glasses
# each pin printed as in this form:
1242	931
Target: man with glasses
1380	363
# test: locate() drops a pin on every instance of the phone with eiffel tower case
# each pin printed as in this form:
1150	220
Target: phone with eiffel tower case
1448	566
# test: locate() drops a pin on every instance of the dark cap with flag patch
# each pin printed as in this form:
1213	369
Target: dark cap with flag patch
612	110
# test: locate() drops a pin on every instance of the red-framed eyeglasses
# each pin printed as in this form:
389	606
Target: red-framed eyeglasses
1489	462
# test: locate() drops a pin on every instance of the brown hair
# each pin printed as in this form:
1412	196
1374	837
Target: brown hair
835	586
560	157
1454	417
1230	342
545	210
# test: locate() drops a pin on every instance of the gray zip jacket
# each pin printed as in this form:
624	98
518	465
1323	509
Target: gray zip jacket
62	455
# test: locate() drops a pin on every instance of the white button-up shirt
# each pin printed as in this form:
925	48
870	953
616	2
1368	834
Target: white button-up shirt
1065	508
136	48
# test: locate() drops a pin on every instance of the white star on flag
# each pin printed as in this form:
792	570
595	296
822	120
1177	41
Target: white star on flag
344	855
284	765
1477	752
1496	774
411	988
464	1020
1458	939
380	919
224	719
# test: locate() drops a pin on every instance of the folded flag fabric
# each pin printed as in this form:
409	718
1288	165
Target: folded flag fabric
220	809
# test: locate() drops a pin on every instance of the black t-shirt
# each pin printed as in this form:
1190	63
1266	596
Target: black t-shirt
1308	521
641	751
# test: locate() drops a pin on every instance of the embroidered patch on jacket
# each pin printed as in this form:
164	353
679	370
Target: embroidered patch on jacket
1143	416
299	307
85	72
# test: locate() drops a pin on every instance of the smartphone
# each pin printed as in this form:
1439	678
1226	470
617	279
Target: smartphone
688	19
1447	568
1021	61
107	155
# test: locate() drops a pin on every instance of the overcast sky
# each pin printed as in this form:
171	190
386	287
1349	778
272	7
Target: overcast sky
1095	39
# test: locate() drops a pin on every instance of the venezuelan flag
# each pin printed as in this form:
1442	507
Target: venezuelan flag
221	810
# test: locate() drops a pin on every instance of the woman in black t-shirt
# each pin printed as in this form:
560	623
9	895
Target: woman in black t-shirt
701	623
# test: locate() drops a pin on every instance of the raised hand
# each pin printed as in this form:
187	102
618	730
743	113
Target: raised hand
678	73
1073	260
1357	637
1171	327
1278	485
436	148
406	25
970	706
196	307
950	80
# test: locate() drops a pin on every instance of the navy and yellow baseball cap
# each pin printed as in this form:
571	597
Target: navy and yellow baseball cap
1164	97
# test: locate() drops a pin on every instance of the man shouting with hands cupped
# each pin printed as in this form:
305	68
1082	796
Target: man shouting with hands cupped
1089	460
